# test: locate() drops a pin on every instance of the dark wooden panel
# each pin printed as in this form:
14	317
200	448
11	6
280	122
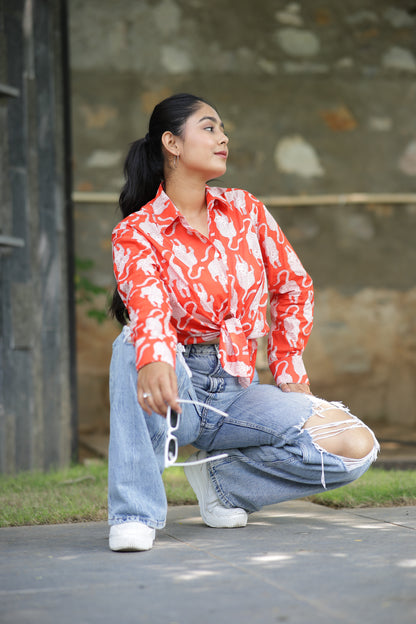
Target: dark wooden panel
37	397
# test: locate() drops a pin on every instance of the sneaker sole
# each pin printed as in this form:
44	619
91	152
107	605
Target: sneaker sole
125	545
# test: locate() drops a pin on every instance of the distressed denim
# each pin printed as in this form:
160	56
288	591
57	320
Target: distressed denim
271	457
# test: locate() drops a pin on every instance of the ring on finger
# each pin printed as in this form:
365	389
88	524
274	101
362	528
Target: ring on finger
146	395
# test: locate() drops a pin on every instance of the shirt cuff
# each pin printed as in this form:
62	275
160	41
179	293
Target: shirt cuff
289	370
155	352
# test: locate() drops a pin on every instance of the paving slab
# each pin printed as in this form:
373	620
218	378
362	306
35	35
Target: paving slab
295	562
401	516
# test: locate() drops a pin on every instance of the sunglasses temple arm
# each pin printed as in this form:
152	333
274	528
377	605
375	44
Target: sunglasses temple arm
200	461
213	409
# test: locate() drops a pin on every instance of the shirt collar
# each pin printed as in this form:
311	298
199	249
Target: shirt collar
215	195
166	212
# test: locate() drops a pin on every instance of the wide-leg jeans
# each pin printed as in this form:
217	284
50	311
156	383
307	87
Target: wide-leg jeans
271	456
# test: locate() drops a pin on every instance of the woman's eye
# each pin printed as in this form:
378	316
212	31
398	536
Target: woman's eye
210	128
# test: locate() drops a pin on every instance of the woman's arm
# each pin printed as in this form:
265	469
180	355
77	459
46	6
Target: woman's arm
146	299
291	305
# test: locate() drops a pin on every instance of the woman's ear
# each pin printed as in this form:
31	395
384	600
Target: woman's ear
170	143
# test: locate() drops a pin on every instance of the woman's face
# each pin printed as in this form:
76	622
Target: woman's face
203	146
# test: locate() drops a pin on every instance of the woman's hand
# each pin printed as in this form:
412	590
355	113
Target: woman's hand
295	387
157	387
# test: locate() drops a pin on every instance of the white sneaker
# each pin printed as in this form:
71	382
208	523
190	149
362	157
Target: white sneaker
212	512
131	536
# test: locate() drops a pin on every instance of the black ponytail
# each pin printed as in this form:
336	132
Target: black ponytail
144	165
143	172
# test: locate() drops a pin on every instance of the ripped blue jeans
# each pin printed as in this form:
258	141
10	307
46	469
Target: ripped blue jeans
271	456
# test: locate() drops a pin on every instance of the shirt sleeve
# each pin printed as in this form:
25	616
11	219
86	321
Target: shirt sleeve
291	302
144	294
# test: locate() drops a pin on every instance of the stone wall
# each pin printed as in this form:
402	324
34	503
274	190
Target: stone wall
318	98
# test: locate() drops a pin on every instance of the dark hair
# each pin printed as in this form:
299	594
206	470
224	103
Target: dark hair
144	165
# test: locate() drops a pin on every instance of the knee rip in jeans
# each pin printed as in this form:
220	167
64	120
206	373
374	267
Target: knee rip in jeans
338	423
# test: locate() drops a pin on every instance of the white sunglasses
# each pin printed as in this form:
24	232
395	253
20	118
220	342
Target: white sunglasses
171	445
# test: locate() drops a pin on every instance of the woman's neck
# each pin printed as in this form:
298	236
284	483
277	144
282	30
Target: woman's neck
189	199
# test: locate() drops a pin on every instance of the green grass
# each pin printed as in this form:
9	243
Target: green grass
79	494
376	488
73	495
76	494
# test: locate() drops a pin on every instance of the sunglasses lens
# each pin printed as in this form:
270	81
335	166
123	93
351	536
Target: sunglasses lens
172	449
174	419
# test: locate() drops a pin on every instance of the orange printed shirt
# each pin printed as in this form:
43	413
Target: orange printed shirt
180	286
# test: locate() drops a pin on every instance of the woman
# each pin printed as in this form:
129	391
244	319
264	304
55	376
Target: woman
194	267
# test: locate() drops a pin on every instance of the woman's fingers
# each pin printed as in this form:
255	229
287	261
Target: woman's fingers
295	387
157	388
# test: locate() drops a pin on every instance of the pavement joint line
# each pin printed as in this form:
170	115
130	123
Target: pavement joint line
380	520
284	588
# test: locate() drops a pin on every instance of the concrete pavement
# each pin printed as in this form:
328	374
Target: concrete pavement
296	562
